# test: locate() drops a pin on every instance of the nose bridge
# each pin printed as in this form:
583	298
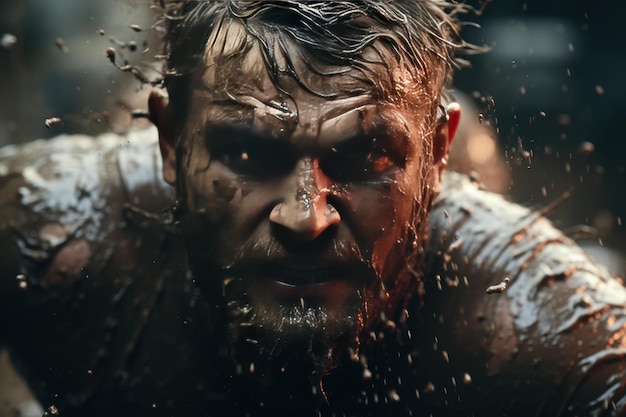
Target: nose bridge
308	182
304	210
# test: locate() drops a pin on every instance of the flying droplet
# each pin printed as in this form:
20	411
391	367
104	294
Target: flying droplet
51	411
498	288
23	285
111	54
8	41
393	396
52	121
467	379
586	149
429	388
60	43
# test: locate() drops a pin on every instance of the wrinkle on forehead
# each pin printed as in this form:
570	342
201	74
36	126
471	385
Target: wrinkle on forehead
236	86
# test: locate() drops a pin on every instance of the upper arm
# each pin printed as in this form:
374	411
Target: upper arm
554	342
12	297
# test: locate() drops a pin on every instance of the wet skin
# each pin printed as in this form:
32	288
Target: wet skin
305	200
111	321
119	329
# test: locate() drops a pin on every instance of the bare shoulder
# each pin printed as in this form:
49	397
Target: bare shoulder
547	320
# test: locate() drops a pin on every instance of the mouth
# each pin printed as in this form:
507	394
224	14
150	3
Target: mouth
321	282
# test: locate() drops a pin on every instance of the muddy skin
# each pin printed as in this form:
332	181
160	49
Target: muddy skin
261	220
119	327
122	319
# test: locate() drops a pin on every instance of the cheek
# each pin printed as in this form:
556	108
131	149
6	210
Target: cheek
206	188
379	217
211	192
385	213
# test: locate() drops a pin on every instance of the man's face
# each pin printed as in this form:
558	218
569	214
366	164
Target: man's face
295	205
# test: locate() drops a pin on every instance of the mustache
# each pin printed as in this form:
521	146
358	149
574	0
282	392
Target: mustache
269	249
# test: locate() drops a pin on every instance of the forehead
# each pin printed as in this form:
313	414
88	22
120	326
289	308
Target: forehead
277	88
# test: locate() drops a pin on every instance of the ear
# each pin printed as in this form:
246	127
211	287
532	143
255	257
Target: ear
160	115
444	133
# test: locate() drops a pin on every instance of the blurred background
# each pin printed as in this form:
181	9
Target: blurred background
542	113
54	64
551	88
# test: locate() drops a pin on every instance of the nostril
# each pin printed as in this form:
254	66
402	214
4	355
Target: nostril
305	220
304	240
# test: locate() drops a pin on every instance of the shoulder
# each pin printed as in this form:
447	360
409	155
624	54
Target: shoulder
554	341
61	201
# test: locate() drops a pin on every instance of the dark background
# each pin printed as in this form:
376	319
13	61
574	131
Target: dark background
552	82
556	76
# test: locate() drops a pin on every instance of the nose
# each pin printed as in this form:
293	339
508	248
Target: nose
305	212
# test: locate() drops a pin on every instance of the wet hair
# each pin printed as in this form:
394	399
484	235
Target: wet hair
422	36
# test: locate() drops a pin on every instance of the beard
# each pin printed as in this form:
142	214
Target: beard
297	353
270	337
262	329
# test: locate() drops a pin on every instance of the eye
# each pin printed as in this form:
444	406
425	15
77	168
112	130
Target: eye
362	163
252	156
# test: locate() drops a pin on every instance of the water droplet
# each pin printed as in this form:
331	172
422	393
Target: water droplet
467	379
586	149
60	43
111	54
8	41
52	121
429	388
393	396
51	411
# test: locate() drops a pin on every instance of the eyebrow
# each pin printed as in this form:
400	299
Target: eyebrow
389	132
231	130
396	145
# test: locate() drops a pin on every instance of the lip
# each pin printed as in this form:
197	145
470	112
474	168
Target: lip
326	291
290	281
301	274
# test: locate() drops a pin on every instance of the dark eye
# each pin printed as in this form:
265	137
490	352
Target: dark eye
253	157
357	164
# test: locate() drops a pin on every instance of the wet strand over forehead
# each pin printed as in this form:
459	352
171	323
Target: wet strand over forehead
237	85
379	68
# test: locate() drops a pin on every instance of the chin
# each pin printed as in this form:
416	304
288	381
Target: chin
272	336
